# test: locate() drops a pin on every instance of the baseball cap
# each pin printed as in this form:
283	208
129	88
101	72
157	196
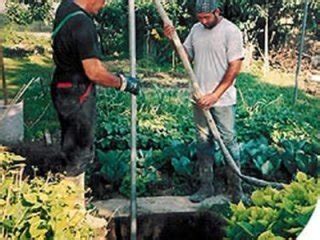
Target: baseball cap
206	6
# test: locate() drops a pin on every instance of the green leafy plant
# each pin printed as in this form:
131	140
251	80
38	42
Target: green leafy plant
280	214
181	156
147	175
37	209
265	158
299	155
291	155
115	165
166	132
182	165
176	159
163	116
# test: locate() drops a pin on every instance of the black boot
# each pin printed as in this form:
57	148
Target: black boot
234	188
206	178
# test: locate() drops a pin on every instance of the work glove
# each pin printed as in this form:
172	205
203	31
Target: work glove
129	84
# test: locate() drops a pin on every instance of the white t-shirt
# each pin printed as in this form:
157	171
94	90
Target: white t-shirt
211	51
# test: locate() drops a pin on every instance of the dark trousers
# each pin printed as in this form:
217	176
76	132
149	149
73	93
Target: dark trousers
77	121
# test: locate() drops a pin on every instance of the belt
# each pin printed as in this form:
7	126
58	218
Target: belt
83	97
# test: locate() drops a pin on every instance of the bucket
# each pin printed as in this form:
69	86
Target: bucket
11	123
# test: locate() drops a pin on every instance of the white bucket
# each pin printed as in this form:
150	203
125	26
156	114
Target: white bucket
11	123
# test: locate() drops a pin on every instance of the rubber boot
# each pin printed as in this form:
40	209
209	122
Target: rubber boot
234	188
97	224
206	178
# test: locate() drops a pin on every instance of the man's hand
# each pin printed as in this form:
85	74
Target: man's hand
168	31
129	84
207	101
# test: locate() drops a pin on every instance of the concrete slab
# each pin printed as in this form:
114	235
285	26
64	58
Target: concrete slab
159	218
146	205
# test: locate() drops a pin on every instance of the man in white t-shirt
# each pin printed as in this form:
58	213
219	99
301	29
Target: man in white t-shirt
215	46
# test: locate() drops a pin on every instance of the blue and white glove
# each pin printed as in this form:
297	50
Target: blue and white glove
129	84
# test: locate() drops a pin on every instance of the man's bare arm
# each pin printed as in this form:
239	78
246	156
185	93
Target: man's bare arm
98	74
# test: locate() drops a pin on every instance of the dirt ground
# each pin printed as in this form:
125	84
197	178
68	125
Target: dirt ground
312	87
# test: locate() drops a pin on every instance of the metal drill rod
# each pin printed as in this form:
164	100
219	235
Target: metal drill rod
133	200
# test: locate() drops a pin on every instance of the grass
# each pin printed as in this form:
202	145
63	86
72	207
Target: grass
38	111
268	110
19	71
277	89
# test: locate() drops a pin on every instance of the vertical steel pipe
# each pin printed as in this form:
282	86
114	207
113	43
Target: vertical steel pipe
133	200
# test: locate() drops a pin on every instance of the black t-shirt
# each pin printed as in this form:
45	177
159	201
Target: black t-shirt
77	40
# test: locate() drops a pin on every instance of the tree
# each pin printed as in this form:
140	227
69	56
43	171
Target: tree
25	12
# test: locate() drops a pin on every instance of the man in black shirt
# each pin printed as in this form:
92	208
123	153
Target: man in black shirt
76	54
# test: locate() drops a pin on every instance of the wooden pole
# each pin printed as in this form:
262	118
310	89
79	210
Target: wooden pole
197	94
304	24
4	84
266	40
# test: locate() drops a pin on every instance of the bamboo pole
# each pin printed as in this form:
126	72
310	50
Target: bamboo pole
266	40
133	200
17	97
197	94
300	51
4	84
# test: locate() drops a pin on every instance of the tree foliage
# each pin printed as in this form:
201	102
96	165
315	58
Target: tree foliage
284	18
24	13
113	27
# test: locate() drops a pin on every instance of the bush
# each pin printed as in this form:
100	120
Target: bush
37	209
113	28
24	14
285	18
275	214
